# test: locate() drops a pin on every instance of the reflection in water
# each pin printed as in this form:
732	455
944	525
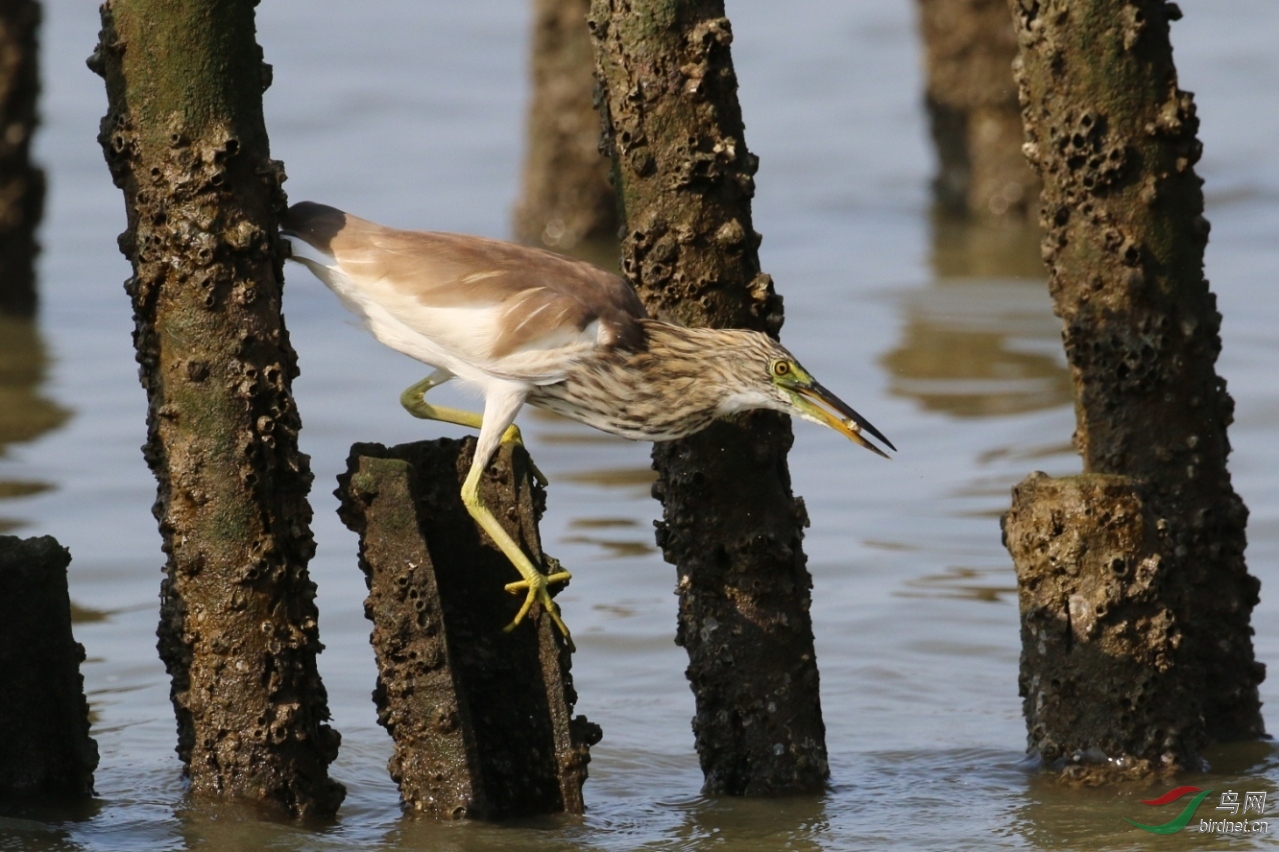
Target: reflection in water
623	608
615	477
1057	815
601	523
982	341
940	788
1024	455
575	437
798	823
89	615
638	480
984	495
24	413
965	249
36	824
794	822
36	832
203	823
989	585
617	537
615	547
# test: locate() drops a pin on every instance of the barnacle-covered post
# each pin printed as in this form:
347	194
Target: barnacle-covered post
969	47
732	526
566	198
185	140
21	182
1135	597
481	717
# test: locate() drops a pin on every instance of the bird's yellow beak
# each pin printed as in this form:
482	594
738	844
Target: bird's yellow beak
822	406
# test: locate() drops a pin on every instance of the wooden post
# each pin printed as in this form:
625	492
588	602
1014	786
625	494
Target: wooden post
732	527
185	140
971	98
1114	142
46	750
566	198
481	718
22	184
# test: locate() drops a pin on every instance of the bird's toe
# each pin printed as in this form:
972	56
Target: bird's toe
538	591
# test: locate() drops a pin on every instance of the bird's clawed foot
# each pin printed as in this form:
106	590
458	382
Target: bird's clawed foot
513	435
538	586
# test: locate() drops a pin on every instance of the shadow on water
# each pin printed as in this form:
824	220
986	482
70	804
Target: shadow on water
34	824
982	340
25	413
19	833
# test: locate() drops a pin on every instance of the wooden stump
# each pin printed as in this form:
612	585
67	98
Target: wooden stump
46	750
481	718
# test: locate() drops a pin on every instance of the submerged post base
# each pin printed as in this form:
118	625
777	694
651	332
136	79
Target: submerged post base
46	749
1112	674
481	718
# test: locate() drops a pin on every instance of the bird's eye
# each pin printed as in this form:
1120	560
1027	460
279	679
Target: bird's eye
781	368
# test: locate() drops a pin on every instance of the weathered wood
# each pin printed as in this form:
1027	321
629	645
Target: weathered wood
732	526
185	140
566	197
1113	139
46	750
22	184
969	47
1101	672
481	718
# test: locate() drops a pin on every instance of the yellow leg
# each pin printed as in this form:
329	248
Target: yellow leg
414	401
534	580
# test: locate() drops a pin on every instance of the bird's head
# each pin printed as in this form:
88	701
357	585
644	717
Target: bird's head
765	375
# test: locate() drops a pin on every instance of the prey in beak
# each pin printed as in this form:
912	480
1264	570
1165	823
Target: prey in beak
815	403
849	423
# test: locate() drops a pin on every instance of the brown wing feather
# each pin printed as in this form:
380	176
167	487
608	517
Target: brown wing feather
540	292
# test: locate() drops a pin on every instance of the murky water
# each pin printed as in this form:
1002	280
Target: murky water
411	113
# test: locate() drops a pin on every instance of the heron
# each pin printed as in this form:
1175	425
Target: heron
525	325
